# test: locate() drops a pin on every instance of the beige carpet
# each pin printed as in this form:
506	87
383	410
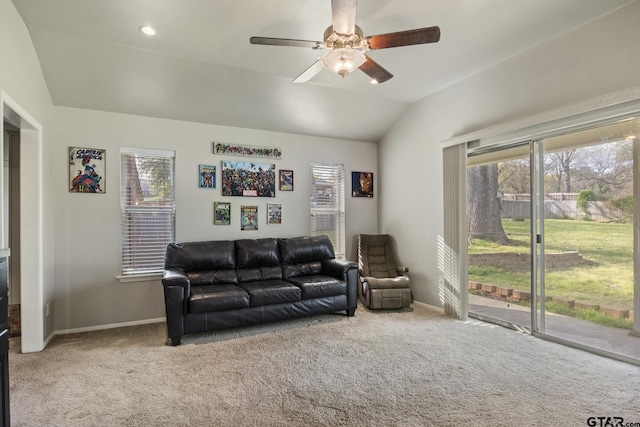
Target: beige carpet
409	368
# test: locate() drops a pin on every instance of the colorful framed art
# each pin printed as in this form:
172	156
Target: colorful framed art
87	167
207	176
362	184
285	179
248	179
247	150
274	213
221	213
248	217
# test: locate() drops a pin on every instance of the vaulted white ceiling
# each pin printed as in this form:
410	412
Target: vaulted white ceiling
200	66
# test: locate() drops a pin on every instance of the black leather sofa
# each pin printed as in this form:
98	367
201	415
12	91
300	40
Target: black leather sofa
221	284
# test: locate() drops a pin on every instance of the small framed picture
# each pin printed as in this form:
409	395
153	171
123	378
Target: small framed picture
207	176
274	213
87	170
248	217
286	180
362	184
221	213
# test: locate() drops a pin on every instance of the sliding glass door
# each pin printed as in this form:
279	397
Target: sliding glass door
589	211
553	248
499	235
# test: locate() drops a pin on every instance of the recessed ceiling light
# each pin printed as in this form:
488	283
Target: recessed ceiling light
148	30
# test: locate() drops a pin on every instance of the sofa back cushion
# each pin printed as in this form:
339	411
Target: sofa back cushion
257	253
201	256
302	256
304	249
205	263
258	259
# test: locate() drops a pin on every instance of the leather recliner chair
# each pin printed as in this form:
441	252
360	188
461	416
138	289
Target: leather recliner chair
381	283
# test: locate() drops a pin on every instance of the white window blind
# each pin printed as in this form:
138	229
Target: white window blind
327	204
147	201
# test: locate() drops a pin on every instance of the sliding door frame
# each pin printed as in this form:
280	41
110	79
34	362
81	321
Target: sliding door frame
536	205
535	134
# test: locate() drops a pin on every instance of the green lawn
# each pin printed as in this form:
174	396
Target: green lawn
606	279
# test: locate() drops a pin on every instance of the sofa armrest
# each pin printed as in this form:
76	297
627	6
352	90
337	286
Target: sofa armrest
176	277
177	289
337	268
347	271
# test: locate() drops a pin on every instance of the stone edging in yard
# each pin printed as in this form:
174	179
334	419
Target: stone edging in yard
515	295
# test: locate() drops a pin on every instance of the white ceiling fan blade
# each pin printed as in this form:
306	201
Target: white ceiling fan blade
343	15
309	73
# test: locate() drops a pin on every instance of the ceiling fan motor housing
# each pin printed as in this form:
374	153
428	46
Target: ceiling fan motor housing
333	40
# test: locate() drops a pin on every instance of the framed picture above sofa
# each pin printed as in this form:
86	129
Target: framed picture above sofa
248	217
285	178
206	176
249	179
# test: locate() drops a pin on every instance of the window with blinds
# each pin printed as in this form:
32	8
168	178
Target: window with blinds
327	204
147	201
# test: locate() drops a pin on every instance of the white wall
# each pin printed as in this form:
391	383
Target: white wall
596	59
87	251
22	81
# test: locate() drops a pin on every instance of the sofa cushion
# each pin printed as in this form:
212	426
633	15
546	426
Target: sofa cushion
257	253
304	249
266	292
319	286
208	298
201	256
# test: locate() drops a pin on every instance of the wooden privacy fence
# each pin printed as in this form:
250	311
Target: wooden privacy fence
556	206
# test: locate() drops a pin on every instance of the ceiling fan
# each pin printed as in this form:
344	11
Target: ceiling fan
347	45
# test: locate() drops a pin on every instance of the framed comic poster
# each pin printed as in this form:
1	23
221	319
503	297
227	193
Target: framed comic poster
274	213
286	180
87	170
221	213
362	184
249	179
206	176
248	217
247	150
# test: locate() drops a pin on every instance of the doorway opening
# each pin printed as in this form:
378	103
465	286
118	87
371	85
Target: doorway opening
11	192
28	208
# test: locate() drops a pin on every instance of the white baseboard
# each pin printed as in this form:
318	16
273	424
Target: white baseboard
429	306
48	340
109	326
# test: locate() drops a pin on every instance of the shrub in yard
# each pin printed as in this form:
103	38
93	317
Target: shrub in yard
584	197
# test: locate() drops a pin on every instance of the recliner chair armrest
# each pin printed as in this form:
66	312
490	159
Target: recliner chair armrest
402	271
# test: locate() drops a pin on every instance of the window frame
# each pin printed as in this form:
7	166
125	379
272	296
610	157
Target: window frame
151	213
336	183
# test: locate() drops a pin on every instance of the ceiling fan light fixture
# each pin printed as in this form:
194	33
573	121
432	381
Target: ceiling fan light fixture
342	61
